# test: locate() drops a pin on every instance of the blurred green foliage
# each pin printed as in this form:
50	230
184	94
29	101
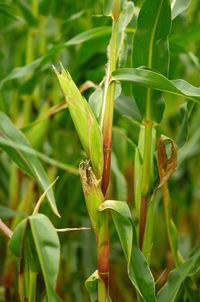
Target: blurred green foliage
33	35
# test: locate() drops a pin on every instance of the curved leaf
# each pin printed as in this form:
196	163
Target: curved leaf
92	286
27	162
177	276
151	36
4	141
152	79
179	6
138	270
36	238
48	251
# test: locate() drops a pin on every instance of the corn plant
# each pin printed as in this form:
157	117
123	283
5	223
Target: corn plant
126	111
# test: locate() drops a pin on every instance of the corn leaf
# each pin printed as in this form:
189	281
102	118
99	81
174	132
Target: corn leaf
151	37
6	142
31	237
28	69
138	270
176	277
27	162
152	79
91	285
84	120
48	251
8	213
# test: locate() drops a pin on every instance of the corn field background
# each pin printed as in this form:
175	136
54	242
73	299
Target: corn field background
43	140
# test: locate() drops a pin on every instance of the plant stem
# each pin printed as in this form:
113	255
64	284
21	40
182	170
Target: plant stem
99	220
103	257
108	105
146	173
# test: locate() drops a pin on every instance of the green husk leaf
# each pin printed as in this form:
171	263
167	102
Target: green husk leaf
92	192
84	120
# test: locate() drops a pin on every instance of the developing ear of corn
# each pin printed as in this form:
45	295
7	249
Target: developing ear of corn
84	120
94	198
92	192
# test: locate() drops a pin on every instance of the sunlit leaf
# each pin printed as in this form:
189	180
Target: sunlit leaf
84	120
179	6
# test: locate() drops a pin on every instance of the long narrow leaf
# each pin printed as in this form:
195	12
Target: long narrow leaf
151	37
28	69
138	270
48	251
27	162
177	276
152	79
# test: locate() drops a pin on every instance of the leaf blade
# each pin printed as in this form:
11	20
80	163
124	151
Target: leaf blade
152	79
137	267
28	163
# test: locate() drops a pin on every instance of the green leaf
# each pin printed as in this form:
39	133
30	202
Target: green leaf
27	12
108	7
6	142
177	277
120	180
48	251
36	238
128	107
184	114
152	79
88	35
28	69
138	270
7	9
95	101
92	286
27	162
125	18
84	120
8	213
151	36
179	6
